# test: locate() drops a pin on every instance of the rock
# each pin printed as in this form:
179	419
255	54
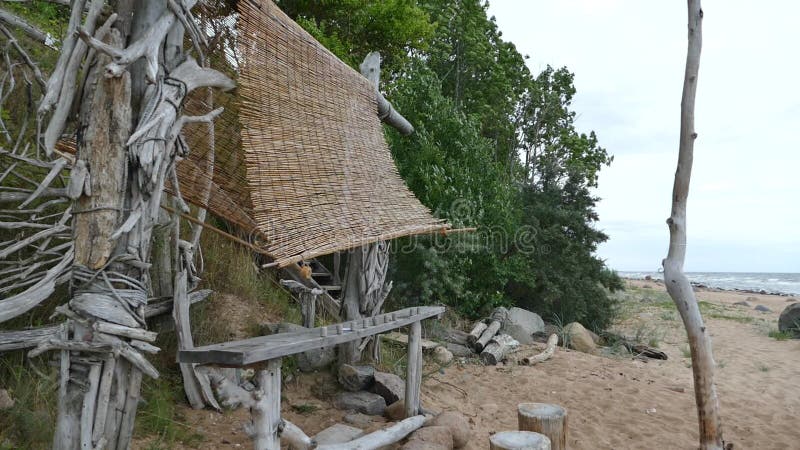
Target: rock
442	356
363	402
358	419
744	303
521	324
396	411
356	378
338	434
789	320
422	445
762	308
435	435
389	386
791	300
648	278
307	361
458	425
459	350
594	336
579	338
751	299
6	402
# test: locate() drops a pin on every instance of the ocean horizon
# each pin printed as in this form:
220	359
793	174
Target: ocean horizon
763	282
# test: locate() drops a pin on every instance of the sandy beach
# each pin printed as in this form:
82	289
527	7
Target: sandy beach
614	401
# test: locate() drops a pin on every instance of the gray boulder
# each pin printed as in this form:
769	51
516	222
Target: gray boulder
762	308
356	378
744	303
521	324
363	402
338	434
789	321
458	350
389	386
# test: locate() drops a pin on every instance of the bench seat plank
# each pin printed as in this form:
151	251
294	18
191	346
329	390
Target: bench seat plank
264	348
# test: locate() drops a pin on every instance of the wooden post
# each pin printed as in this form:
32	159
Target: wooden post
549	420
266	411
518	440
309	305
414	373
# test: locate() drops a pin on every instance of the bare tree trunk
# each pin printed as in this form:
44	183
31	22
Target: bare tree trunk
676	282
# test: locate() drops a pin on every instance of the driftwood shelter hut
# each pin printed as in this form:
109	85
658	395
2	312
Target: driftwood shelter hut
298	164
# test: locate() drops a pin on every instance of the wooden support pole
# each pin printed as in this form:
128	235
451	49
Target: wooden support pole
266	411
549	420
517	440
414	374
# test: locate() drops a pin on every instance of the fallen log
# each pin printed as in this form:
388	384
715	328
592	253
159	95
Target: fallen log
382	437
497	349
552	342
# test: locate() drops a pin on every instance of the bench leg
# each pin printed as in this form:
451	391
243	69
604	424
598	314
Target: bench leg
414	374
267	410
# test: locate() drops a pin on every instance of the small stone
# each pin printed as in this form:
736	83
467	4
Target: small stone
363	402
650	411
435	435
751	299
442	356
6	402
389	386
458	425
356	378
396	411
744	303
762	308
791	300
338	434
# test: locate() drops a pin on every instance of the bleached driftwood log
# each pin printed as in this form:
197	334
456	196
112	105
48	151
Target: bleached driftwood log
549	420
552	343
515	440
497	349
678	286
381	438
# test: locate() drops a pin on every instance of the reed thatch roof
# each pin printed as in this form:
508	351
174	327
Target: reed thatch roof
317	175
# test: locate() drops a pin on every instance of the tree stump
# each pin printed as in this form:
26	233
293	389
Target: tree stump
549	420
518	440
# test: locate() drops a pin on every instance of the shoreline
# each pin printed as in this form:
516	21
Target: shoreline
702	287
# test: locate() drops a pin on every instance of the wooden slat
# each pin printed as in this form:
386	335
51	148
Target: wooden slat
264	348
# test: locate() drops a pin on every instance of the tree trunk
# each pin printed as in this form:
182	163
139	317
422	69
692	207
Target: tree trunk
549	420
676	282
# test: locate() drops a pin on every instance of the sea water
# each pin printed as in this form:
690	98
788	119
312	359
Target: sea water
771	283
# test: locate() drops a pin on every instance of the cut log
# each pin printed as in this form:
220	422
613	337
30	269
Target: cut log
549	420
552	343
518	440
291	434
381	438
487	335
498	348
475	334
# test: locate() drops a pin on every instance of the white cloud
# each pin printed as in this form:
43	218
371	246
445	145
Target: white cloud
628	57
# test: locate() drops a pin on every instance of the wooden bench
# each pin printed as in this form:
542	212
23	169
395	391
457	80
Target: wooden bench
272	348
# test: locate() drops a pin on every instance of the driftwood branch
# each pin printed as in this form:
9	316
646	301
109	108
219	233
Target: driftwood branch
35	33
676	282
552	343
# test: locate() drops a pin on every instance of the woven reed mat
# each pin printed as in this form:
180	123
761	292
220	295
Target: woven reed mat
320	172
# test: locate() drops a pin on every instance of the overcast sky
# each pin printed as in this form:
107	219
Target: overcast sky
629	57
